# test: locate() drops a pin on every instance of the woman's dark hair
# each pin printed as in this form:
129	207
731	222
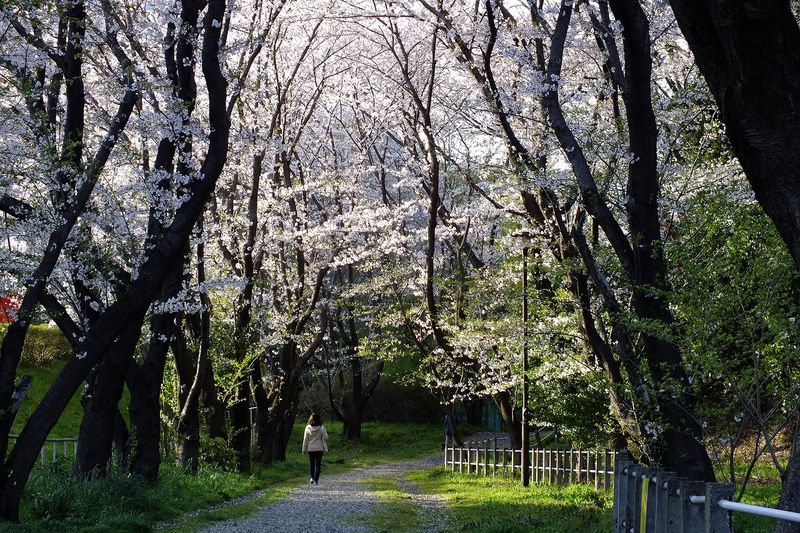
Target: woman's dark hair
314	420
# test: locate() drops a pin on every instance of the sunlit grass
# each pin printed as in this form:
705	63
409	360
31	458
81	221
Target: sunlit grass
496	504
397	511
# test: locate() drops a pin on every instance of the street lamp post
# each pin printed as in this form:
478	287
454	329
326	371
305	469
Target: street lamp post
526	457
525	463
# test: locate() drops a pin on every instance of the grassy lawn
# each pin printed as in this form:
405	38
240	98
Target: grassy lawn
43	377
764	494
496	504
55	501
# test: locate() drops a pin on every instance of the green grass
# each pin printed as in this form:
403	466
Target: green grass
380	443
43	377
499	505
56	501
397	511
763	489
764	494
70	421
60	502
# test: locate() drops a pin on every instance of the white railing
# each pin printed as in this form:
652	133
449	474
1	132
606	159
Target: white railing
746	508
54	449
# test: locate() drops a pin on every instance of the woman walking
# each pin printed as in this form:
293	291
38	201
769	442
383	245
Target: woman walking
315	442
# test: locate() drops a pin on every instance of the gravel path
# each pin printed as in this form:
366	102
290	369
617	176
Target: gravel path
339	504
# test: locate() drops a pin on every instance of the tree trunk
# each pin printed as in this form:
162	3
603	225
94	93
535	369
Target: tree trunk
285	426
353	426
141	292
189	366
734	43
790	491
215	409
188	440
451	425
511	418
240	426
100	423
682	437
144	383
474	409
121	438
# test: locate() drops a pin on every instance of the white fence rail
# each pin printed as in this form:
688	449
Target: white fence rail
554	467
54	449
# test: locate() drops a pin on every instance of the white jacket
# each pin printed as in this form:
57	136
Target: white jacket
315	439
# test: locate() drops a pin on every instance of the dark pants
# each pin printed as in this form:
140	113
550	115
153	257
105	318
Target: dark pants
315	464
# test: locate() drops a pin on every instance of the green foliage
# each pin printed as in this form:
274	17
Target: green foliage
494	504
215	452
737	298
380	442
43	345
577	404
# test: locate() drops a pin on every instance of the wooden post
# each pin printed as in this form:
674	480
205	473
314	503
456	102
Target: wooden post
622	506
693	514
649	499
635	495
486	457
567	479
674	504
505	469
494	457
607	470
662	500
717	519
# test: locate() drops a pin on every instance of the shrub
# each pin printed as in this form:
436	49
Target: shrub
216	452
43	345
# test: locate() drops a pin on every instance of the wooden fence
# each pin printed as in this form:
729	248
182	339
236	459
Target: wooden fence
554	467
54	449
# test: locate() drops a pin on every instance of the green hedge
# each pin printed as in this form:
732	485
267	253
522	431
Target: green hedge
43	345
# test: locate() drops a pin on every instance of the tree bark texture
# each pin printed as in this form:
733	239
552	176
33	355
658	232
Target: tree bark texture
141	292
749	54
99	425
